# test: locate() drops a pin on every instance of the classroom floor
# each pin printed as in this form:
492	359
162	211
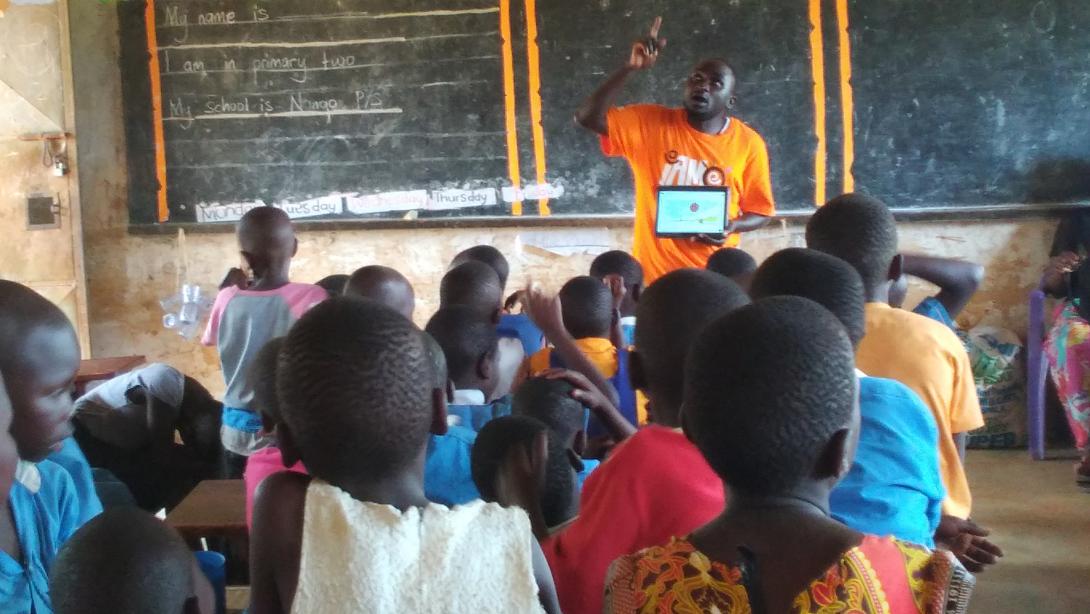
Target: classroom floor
1042	522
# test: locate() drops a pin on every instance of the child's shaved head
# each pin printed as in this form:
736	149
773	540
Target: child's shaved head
475	285
266	238
39	358
587	307
126	561
384	285
356	386
488	255
766	388
670	317
734	264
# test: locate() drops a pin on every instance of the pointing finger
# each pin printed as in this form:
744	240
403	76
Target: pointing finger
655	27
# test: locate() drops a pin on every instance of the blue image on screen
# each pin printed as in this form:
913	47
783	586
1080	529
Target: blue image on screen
684	212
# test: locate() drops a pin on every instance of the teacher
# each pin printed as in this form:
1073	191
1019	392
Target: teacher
698	145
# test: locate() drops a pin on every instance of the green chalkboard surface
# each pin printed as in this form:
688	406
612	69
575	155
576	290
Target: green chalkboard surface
417	109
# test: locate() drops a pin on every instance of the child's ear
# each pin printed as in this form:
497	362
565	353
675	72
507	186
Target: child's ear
486	366
835	460
496	316
439	411
579	446
636	375
896	267
294	247
635	292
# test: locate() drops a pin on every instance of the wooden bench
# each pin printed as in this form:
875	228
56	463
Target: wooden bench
215	508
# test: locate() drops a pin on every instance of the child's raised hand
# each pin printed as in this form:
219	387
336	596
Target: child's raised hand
545	311
583	390
615	283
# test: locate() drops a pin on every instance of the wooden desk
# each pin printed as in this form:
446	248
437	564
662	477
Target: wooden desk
215	508
96	369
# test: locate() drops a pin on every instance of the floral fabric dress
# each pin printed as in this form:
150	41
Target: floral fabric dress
1068	350
880	576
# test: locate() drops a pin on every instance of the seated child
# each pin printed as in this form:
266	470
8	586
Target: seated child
587	313
244	320
957	282
777	421
476	286
631	500
917	351
894	486
623	265
359	397
734	264
385	285
127	561
514	439
266	461
448	476
39	359
127	425
512	325
333	284
34	522
553	401
469	346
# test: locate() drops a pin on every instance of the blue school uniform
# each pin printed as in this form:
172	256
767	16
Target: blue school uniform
894	487
71	459
448	478
474	413
519	326
44	520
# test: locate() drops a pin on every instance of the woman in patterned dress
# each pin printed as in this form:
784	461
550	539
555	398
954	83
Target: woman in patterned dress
778	423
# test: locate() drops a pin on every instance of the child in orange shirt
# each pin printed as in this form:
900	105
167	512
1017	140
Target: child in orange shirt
589	315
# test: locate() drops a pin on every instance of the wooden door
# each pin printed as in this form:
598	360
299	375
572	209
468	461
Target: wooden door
35	100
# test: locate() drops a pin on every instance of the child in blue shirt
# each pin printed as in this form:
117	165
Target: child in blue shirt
469	345
517	326
39	359
40	512
894	486
621	264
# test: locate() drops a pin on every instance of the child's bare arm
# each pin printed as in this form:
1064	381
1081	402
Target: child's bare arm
546	589
957	280
584	391
276	544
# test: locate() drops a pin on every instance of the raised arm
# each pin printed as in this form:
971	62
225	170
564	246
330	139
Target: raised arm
645	52
545	312
957	280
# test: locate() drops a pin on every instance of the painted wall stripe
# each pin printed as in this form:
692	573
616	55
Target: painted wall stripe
533	63
817	66
847	104
509	103
157	112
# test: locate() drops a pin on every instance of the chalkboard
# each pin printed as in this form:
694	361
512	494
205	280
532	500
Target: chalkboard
974	102
376	108
416	109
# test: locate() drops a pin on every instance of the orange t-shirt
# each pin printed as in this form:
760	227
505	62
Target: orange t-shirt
929	358
663	149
